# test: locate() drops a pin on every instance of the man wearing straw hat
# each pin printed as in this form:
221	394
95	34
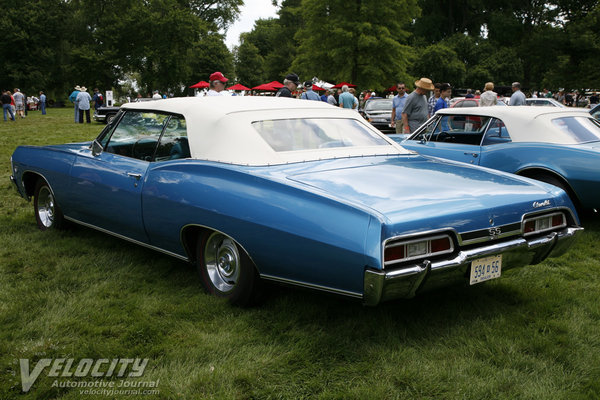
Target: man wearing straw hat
416	110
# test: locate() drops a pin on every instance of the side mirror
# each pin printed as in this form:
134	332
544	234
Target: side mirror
96	148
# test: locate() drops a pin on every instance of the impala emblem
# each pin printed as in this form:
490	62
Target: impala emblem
494	232
538	204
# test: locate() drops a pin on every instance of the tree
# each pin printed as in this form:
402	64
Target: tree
441	64
249	64
359	41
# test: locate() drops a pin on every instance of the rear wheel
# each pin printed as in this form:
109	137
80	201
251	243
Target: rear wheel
48	214
226	270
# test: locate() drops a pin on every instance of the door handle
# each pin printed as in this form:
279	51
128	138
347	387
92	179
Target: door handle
134	175
475	155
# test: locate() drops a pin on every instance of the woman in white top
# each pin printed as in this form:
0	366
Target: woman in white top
489	97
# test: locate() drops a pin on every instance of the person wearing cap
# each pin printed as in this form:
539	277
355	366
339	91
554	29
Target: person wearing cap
83	102
73	99
415	110
19	103
331	98
216	84
309	93
156	95
517	98
290	83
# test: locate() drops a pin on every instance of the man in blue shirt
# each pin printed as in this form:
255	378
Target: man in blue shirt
517	98
73	99
43	103
346	99
398	106
309	94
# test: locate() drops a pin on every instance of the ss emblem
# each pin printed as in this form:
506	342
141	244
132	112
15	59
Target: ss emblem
495	231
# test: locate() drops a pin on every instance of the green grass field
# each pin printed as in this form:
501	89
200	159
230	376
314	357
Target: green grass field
533	334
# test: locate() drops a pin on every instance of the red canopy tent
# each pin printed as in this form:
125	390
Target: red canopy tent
266	87
200	85
317	88
275	84
339	85
238	86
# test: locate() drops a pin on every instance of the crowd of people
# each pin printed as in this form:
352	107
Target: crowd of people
17	104
409	110
81	100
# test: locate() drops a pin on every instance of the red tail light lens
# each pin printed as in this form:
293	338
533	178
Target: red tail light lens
544	223
406	250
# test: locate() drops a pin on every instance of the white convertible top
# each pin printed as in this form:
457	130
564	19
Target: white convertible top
220	128
526	123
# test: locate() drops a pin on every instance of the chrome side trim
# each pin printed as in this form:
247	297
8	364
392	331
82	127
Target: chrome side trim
312	286
170	253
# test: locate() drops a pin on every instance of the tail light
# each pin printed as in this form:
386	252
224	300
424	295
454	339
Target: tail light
543	223
407	250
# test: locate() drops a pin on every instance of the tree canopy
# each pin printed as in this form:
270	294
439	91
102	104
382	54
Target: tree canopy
169	44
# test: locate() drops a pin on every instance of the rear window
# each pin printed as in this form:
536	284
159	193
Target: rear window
578	129
379	105
316	133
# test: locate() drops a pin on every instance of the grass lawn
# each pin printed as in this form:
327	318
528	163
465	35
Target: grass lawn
533	334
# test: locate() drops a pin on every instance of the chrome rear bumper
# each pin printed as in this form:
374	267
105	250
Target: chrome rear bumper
381	285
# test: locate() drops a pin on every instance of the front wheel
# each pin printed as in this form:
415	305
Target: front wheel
48	214
226	270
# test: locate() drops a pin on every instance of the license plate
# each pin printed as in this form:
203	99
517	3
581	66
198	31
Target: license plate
484	269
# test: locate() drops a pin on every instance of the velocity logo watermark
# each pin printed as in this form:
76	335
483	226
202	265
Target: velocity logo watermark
86	367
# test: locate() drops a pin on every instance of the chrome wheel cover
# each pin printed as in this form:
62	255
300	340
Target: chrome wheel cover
222	261
45	207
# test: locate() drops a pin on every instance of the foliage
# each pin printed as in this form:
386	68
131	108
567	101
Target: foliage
532	334
275	46
440	63
168	44
357	41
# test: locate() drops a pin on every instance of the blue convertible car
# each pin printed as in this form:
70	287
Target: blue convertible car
560	146
299	192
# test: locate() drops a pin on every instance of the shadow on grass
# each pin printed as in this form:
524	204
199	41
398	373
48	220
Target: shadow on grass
286	308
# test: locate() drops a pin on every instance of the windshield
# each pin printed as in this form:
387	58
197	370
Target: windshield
379	105
578	129
316	133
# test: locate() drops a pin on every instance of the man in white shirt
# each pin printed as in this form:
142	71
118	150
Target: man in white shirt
156	95
216	83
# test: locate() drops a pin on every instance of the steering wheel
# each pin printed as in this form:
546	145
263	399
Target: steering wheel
138	154
443	136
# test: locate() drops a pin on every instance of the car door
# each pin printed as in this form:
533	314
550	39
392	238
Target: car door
108	185
455	137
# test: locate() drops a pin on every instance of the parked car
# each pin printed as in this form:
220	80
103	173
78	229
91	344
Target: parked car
378	111
299	192
595	112
541	101
560	146
107	113
473	102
